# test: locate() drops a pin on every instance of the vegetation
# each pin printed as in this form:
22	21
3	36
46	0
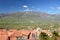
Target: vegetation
55	36
29	20
55	33
43	36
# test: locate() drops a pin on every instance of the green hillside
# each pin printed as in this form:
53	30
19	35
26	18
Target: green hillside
29	20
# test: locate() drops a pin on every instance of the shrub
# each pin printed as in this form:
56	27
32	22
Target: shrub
53	37
43	36
55	33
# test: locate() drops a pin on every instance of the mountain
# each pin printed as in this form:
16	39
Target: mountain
28	18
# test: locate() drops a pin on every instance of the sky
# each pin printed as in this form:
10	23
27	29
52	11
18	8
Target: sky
48	6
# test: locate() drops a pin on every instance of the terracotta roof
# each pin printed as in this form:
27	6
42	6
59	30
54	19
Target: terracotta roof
3	32
17	33
10	33
25	32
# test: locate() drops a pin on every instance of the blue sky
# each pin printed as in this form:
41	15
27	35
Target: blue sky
49	6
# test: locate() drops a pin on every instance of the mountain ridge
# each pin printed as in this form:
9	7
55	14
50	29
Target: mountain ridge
19	19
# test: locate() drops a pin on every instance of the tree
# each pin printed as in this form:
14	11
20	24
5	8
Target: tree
43	36
55	33
53	37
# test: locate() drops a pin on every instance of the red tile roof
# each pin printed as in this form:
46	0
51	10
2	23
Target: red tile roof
18	33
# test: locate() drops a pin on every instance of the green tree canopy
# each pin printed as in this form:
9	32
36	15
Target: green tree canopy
43	36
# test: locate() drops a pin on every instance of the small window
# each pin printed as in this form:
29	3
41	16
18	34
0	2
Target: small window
8	38
18	38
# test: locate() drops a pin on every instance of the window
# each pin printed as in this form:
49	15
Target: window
18	38
8	38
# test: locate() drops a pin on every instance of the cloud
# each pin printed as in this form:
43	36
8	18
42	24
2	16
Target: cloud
38	9
25	6
54	8
27	9
58	8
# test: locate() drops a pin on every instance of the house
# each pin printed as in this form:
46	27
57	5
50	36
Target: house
14	34
22	35
18	34
33	36
3	34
